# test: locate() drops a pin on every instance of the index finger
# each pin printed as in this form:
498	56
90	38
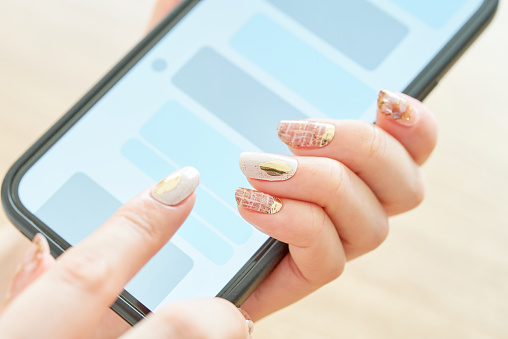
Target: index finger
88	277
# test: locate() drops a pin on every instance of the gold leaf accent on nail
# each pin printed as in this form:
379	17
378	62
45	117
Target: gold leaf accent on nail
275	168
328	136
276	206
167	185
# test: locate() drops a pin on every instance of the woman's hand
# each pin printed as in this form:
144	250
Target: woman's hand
331	201
72	298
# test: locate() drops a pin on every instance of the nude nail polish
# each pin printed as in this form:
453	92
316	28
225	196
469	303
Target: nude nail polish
34	254
177	186
270	167
30	265
394	106
249	322
305	134
257	201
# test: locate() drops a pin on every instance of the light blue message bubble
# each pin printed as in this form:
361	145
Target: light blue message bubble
301	68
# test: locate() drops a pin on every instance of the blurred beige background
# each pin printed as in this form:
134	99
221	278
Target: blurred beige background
442	273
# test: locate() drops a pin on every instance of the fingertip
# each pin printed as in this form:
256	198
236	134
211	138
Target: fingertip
199	318
37	260
409	121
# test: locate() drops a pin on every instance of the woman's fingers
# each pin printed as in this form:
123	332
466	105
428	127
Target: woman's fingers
194	319
89	276
305	227
36	261
408	121
370	152
320	208
347	201
386	155
312	239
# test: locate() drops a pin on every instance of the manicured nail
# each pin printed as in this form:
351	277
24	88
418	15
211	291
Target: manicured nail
303	133
269	167
177	186
248	320
257	201
31	261
34	254
393	106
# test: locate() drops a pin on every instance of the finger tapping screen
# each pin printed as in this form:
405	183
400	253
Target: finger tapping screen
217	85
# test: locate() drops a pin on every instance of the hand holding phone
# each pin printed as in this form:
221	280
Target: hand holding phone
333	206
230	87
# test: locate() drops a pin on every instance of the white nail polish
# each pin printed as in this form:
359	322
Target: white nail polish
269	167
177	186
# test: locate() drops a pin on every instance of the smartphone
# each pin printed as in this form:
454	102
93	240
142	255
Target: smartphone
211	81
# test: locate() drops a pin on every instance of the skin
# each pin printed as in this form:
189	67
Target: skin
336	208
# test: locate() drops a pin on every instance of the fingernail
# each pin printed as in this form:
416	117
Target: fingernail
395	107
31	261
257	201
177	186
248	320
269	167
34	254
303	133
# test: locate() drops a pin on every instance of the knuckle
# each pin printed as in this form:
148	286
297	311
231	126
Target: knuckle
415	194
334	272
337	176
88	271
141	223
376	237
313	233
419	190
379	235
374	142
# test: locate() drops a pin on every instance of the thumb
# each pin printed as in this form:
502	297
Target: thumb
192	319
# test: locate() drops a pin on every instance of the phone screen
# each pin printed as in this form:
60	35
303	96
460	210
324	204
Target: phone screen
216	85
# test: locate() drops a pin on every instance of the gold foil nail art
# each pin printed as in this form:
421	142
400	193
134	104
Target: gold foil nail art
394	106
303	133
177	186
167	184
270	167
328	136
275	168
257	201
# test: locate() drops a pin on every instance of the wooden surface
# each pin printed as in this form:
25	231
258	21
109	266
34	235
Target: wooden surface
442	273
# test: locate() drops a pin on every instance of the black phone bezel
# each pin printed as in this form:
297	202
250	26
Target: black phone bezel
268	256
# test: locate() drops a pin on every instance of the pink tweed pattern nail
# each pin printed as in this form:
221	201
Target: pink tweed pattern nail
302	133
257	201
